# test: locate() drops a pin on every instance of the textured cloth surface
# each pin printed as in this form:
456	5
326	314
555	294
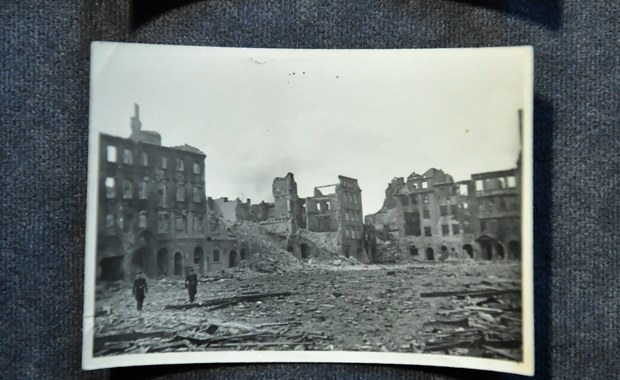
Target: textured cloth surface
44	90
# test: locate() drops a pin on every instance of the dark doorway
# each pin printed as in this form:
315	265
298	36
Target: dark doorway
430	254
513	250
469	250
358	254
163	262
199	259
487	250
290	249
111	268
444	253
243	254
139	259
499	248
413	251
346	253
233	261
305	251
178	264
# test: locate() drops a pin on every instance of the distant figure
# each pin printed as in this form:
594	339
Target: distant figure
139	289
191	282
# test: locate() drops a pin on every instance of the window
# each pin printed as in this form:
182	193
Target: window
111	153
445	229
425	185
456	229
413	251
127	189
427	231
216	256
163	223
127	223
198	220
180	192
465	206
501	183
196	168
196	195
110	187
180	164
144	159
180	223
109	222
414	199
127	157
142	221
426	214
426	198
143	192
162	194
164	162
511	182
443	209
479	185
463	189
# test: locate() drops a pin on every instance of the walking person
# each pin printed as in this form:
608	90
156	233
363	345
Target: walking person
191	283
139	289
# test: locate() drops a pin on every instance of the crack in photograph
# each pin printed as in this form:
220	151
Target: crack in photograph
353	205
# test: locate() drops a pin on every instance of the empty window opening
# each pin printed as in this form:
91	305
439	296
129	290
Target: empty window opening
127	157
456	229
413	251
511	181
111	154
445	229
216	256
110	187
427	231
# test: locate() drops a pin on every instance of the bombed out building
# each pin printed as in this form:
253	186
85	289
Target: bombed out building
431	217
152	209
334	210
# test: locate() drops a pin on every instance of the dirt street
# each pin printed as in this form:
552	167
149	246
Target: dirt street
331	307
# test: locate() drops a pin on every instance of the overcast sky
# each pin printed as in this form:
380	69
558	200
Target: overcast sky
370	115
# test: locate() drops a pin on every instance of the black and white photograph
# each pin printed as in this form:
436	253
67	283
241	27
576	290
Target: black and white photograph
273	205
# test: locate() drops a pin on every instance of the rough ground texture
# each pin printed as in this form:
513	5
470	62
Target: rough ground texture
331	307
44	98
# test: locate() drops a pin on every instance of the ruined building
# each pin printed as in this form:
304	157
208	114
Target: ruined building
334	212
152	209
431	217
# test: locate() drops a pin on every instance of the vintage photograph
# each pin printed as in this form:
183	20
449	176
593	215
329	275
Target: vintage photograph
309	206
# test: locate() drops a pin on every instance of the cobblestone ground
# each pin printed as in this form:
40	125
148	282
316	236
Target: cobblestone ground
345	307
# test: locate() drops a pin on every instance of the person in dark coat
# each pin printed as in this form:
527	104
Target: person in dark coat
139	289
191	283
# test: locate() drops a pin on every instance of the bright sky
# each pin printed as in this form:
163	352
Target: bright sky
367	114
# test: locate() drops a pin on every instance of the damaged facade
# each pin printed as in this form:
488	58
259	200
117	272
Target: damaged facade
431	217
152	209
334	211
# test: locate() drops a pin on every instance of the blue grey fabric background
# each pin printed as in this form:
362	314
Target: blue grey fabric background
44	90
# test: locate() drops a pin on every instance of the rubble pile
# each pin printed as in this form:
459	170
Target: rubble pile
388	252
468	309
325	241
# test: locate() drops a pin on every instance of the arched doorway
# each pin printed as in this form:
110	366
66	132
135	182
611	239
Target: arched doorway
430	254
178	264
111	268
487	249
499	249
139	259
305	251
513	250
199	259
233	261
469	250
163	262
